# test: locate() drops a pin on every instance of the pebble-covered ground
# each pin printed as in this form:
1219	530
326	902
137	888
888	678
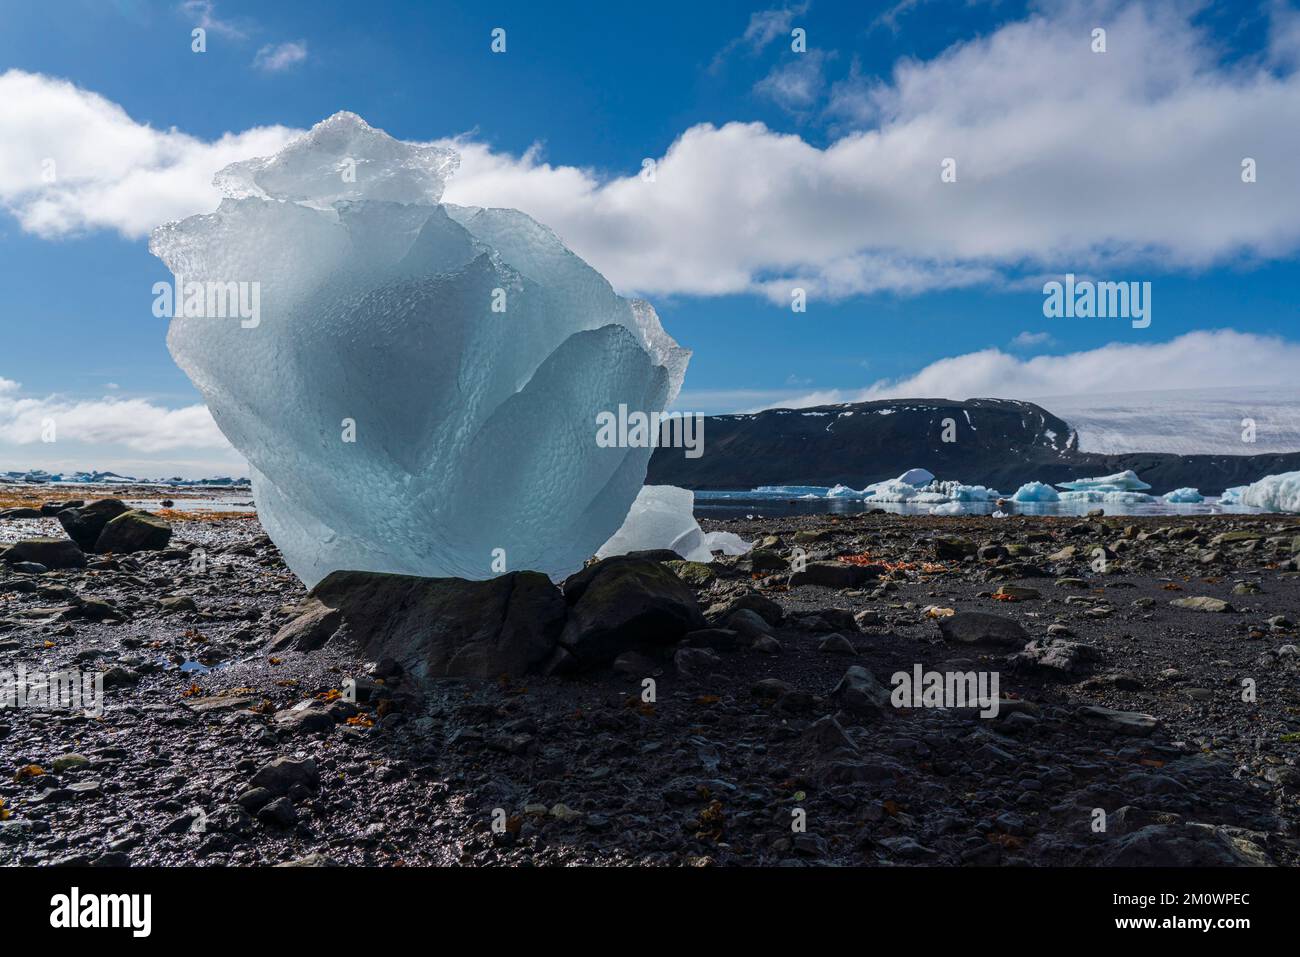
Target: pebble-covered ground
743	757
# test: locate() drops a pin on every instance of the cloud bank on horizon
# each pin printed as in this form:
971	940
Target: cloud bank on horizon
1114	145
1196	363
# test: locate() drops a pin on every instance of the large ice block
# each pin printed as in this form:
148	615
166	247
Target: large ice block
419	393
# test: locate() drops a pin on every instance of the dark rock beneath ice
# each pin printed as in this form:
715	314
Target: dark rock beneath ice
440	627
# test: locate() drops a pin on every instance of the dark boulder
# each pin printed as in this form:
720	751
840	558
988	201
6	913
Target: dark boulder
438	627
309	631
952	548
860	693
619	604
50	552
980	628
836	574
280	776
21	513
85	524
134	531
762	606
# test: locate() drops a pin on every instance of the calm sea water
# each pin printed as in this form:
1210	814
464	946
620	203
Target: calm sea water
741	504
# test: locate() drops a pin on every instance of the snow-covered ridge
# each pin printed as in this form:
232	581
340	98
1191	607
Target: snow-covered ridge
1219	421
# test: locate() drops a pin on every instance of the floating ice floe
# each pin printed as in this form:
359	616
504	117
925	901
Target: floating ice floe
1181	496
794	491
1126	481
958	492
1274	493
1036	492
890	490
419	391
662	517
1103	497
843	491
951	508
909	488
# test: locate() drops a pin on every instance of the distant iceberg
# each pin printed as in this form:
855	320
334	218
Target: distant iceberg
958	492
795	491
843	491
1126	481
916	477
1188	496
1274	493
905	488
890	490
1099	496
1232	496
909	487
1036	492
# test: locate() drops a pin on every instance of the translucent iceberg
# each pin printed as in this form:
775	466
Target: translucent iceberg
1126	481
1273	493
1187	496
420	391
663	517
1036	492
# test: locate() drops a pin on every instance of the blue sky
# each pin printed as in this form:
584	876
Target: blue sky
777	169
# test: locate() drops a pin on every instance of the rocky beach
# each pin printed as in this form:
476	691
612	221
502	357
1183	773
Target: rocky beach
657	711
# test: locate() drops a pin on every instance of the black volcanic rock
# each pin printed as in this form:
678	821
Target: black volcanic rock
85	523
1001	443
619	604
50	552
438	627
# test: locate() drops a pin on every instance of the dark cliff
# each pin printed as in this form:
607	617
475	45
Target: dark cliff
1000	443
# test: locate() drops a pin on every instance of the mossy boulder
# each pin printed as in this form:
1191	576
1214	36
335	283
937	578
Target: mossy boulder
134	531
85	524
697	574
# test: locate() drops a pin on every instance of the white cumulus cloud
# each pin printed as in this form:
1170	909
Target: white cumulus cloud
136	424
1196	360
74	161
278	57
1067	160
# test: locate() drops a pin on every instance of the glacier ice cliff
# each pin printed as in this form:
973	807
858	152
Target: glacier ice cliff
419	393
